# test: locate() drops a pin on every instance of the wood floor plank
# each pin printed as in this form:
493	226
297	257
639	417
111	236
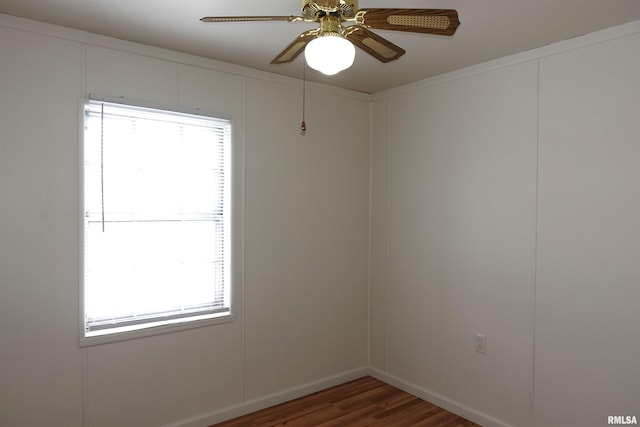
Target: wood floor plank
365	402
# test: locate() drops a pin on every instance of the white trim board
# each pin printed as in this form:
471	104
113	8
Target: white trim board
438	400
253	405
91	39
234	411
517	58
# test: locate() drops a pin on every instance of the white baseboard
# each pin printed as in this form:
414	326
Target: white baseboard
438	400
217	416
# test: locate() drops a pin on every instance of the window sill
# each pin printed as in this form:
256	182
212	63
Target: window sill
107	338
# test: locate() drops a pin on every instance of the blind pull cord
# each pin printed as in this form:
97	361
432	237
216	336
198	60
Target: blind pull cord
102	160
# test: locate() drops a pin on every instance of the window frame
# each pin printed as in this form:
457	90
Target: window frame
233	247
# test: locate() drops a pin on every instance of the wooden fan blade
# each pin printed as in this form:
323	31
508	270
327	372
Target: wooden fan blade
250	18
378	47
296	47
442	22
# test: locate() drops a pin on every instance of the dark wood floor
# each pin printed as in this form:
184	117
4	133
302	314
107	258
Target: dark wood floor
359	403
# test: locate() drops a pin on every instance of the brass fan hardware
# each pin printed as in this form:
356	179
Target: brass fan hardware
331	15
251	18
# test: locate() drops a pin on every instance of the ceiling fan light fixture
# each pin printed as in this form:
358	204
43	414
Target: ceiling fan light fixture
330	53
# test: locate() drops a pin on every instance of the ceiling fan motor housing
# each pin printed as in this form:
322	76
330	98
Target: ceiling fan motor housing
329	24
345	9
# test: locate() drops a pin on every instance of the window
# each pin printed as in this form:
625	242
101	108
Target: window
156	218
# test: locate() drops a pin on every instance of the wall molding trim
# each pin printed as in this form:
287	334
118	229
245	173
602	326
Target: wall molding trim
91	39
536	54
253	405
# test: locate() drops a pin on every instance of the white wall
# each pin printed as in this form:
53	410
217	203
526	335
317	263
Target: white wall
461	238
506	202
306	276
40	362
302	318
588	289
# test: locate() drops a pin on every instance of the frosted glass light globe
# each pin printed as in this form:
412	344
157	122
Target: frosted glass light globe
330	54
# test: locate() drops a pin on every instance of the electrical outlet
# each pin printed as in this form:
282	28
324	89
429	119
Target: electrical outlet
481	343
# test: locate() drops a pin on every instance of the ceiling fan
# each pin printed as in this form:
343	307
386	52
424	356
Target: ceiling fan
331	14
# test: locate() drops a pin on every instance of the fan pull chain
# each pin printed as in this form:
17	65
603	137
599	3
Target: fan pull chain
303	126
102	160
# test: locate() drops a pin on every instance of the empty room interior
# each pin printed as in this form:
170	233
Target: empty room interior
462	223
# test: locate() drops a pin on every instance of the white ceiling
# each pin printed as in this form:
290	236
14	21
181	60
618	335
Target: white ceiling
489	29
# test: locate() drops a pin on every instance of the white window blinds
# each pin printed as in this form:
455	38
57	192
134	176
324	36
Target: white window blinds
156	223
